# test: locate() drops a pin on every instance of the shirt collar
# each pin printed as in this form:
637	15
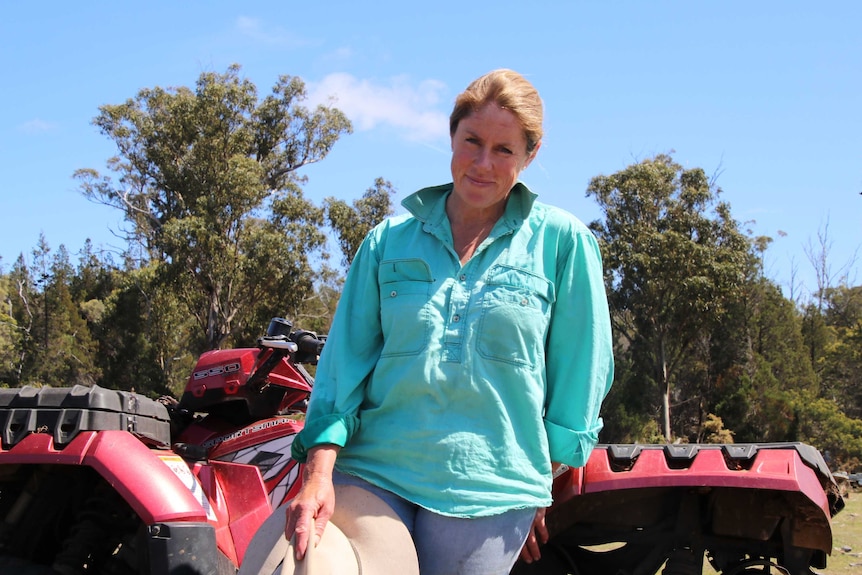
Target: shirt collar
428	205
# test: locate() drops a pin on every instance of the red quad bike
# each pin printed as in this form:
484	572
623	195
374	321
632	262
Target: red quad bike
109	482
112	483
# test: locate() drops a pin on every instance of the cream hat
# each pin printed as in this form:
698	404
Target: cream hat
364	536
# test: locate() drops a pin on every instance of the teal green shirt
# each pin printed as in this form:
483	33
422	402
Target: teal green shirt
456	386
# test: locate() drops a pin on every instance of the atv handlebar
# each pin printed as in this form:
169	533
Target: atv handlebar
308	341
279	343
306	344
301	346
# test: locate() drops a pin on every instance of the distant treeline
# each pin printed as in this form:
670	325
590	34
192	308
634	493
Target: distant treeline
220	239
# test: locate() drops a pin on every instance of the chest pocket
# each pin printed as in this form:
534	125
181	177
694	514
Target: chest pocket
405	288
516	311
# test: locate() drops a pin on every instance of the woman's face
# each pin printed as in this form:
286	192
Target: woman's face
489	151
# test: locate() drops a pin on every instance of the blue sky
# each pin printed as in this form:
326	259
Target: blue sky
764	94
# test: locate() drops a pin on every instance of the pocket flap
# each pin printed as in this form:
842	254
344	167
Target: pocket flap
413	269
521	279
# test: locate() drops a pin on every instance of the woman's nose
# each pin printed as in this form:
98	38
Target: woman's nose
483	158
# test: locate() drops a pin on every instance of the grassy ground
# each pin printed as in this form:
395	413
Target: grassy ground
847	534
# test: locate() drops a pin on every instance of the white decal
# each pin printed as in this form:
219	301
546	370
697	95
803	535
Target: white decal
176	464
217	370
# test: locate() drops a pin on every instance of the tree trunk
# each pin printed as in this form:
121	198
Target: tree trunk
665	393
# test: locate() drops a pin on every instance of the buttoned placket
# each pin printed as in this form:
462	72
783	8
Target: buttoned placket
459	301
463	291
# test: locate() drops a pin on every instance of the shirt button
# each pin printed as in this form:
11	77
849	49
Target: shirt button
393	293
463	277
524	301
456	318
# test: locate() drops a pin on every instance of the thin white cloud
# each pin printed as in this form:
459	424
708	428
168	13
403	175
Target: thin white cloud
36	126
255	29
413	109
342	54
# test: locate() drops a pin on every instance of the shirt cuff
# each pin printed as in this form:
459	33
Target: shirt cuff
570	446
331	429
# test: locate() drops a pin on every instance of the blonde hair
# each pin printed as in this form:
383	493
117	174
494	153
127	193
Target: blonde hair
509	90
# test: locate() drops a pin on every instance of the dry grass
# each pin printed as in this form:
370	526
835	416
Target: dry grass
847	539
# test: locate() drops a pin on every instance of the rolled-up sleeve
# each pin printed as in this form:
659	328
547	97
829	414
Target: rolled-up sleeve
580	364
348	358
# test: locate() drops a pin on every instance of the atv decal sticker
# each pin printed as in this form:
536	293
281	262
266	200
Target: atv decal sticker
176	464
217	370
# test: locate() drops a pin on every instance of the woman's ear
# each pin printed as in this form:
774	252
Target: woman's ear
532	155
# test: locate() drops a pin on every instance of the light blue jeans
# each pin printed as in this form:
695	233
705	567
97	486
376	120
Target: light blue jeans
455	545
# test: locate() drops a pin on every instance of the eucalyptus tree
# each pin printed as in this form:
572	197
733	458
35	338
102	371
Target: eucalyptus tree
23	307
207	180
761	365
353	223
674	258
9	331
840	364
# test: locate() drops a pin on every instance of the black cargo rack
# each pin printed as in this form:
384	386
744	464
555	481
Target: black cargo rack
64	412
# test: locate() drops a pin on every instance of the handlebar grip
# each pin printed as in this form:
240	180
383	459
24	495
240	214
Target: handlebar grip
308	342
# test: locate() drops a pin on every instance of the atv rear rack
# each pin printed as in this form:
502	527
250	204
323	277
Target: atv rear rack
64	412
634	508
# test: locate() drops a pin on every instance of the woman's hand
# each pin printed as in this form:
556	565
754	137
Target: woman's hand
538	530
538	536
309	512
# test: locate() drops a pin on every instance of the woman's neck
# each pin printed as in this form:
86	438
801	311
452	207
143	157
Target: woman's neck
470	227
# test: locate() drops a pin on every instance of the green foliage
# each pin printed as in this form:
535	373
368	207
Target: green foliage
147	339
674	260
220	240
714	432
759	353
207	181
9	331
352	224
705	344
839	362
628	413
51	340
821	423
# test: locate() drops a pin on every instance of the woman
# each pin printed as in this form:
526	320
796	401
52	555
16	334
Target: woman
469	355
